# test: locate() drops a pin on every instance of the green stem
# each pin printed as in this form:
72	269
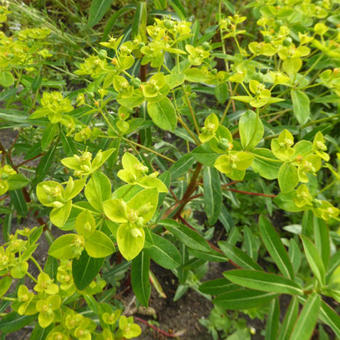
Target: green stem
36	263
191	110
31	277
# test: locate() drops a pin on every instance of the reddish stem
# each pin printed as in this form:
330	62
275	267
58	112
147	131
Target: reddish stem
252	193
29	160
212	246
158	330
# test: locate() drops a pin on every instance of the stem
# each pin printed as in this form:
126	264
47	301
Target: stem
251	193
212	246
158	330
141	146
191	111
31	277
190	189
6	298
230	101
36	263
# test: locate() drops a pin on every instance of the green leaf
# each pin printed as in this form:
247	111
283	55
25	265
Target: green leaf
212	255
40	333
217	286
99	245
203	154
330	317
98	190
116	210
289	319
306	322
17	181
163	114
130	239
12	322
140	278
5	283
212	194
19	202
238	256
265	163
314	259
144	203
49	133
66	247
59	216
182	166
273	320
187	236
288	177
301	105
6	79
139	22
251	130
243	299
263	281
322	240
97	11
163	252
45	163
275	247
85	269
221	92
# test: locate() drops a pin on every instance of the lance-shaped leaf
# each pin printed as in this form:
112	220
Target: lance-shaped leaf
217	286
330	317
85	269
163	252
97	11
263	281
273	321
238	256
187	236
322	240
140	278
314	259
275	247
289	319
243	299
306	322
212	194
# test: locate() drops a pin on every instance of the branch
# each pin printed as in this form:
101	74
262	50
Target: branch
158	330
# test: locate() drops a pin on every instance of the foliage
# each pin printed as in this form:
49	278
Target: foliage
122	140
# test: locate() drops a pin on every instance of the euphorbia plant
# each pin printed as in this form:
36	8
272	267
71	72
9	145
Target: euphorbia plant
130	154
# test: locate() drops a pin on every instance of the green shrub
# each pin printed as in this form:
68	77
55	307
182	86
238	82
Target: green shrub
122	145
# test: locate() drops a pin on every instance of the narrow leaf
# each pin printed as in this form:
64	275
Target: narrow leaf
238	256
243	299
273	321
140	278
85	269
289	319
304	327
187	236
314	259
275	247
212	194
263	281
97	11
